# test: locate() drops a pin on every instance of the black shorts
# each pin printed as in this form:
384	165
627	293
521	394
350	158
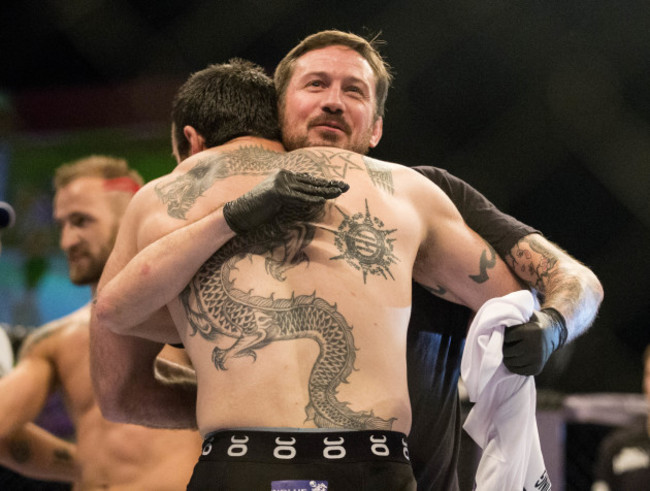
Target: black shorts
261	460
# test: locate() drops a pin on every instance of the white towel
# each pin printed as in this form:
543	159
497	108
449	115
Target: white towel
502	421
6	353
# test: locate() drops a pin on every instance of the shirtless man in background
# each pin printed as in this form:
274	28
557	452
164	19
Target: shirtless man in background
91	197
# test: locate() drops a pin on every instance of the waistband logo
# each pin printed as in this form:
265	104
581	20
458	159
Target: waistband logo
379	446
334	449
284	448
238	447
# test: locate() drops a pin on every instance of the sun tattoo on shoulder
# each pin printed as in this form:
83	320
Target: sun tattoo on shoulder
364	243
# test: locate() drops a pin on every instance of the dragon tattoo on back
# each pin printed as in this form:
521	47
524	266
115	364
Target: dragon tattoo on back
215	307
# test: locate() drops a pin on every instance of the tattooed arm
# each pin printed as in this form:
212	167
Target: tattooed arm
571	294
31	450
135	287
141	284
453	261
562	282
36	453
24	391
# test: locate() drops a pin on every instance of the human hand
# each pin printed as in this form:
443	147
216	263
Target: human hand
527	347
281	190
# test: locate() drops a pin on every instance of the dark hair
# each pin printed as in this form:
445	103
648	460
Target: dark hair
368	49
225	101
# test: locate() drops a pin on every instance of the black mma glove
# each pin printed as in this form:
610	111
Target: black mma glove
527	347
281	190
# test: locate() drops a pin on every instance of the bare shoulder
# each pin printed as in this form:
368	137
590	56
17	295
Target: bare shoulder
336	163
43	340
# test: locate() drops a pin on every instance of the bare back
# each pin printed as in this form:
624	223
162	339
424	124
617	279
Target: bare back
110	455
304	325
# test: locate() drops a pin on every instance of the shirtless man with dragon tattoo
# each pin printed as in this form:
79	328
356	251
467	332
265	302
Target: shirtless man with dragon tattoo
291	294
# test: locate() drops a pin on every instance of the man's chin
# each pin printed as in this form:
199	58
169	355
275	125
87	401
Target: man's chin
338	140
323	140
327	141
78	280
82	278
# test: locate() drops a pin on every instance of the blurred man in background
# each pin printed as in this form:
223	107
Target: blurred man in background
91	196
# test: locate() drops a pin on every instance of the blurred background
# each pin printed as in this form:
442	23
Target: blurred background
544	106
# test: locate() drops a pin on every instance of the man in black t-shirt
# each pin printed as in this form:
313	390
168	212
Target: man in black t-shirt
434	349
325	102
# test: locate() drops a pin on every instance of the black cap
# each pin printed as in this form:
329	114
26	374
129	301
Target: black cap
7	215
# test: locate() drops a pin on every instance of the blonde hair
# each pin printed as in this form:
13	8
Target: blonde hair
95	166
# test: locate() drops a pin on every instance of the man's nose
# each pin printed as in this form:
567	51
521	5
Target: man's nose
333	102
69	238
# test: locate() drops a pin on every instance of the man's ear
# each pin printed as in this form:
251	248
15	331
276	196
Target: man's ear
195	139
377	131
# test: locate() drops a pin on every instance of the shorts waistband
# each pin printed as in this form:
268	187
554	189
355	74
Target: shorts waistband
298	447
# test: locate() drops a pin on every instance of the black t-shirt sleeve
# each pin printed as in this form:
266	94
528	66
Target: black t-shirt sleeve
501	230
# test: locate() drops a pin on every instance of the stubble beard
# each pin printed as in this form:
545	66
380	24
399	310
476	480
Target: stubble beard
294	140
87	274
92	272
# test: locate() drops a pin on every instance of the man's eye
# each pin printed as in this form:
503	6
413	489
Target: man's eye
79	222
315	83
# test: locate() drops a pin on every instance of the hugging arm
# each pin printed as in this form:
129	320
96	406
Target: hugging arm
137	285
129	328
563	284
133	288
130	389
570	293
453	260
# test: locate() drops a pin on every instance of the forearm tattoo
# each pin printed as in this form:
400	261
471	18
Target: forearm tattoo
216	308
21	451
488	260
535	265
180	194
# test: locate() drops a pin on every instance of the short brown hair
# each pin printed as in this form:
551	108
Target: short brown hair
225	101
368	49
95	166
